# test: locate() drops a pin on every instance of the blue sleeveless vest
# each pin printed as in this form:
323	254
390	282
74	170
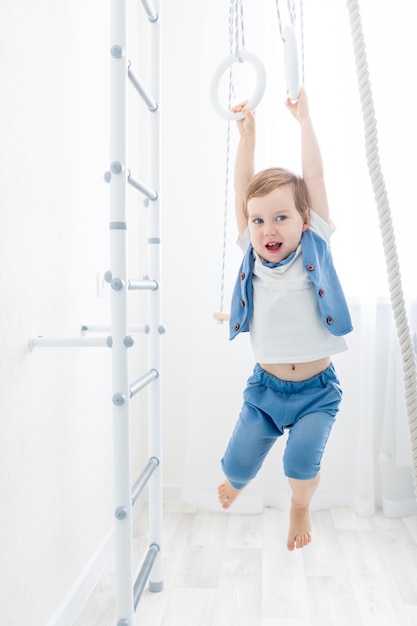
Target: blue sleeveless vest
318	264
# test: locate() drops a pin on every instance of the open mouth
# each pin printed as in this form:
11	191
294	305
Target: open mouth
273	246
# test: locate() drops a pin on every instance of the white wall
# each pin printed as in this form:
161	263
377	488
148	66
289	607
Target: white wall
55	434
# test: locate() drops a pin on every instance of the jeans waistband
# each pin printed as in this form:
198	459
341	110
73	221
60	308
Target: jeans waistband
289	386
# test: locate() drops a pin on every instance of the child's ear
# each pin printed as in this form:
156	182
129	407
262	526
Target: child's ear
307	222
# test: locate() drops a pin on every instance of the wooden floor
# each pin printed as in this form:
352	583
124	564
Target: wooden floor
223	569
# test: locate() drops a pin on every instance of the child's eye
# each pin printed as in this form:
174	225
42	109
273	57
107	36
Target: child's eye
281	218
258	220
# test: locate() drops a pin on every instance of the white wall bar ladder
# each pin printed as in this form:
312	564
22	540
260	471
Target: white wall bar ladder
128	593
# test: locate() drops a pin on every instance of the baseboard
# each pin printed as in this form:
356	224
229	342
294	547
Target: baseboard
172	493
70	608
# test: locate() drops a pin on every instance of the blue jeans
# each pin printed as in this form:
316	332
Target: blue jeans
271	405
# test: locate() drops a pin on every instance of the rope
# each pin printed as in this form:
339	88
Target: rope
291	11
387	229
236	43
225	218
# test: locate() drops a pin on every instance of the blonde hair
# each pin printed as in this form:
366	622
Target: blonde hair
267	180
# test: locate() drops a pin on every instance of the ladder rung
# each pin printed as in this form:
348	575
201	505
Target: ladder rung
143	575
68	342
144	477
95	328
140	186
150	102
150	11
141	382
143	284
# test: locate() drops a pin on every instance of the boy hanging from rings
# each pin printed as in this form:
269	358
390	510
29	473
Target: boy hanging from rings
289	298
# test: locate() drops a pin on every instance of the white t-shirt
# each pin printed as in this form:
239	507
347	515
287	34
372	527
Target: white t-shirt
286	326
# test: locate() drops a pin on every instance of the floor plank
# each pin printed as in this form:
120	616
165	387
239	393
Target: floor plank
238	592
284	592
225	569
376	597
202	559
332	601
198	604
398	552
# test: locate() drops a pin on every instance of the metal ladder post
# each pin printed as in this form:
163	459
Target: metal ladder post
127	593
119	282
154	261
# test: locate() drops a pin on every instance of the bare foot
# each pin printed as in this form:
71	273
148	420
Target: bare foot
227	494
299	535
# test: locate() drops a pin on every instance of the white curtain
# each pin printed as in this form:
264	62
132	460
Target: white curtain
367	460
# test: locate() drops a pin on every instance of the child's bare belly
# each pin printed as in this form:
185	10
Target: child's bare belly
296	371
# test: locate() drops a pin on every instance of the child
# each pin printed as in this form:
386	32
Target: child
289	297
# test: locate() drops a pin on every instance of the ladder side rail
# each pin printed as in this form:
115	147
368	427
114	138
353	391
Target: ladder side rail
154	300
118	304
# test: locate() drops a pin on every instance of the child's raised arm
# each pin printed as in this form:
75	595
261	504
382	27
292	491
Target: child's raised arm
245	162
312	164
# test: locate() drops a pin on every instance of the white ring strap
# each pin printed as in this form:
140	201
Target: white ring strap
291	62
259	88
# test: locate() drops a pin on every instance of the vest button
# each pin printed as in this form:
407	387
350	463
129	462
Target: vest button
242	276
236	326
310	267
321	292
329	320
242	304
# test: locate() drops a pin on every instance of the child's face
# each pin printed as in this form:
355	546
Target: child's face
275	225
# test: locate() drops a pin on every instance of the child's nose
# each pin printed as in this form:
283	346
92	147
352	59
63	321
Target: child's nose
271	228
